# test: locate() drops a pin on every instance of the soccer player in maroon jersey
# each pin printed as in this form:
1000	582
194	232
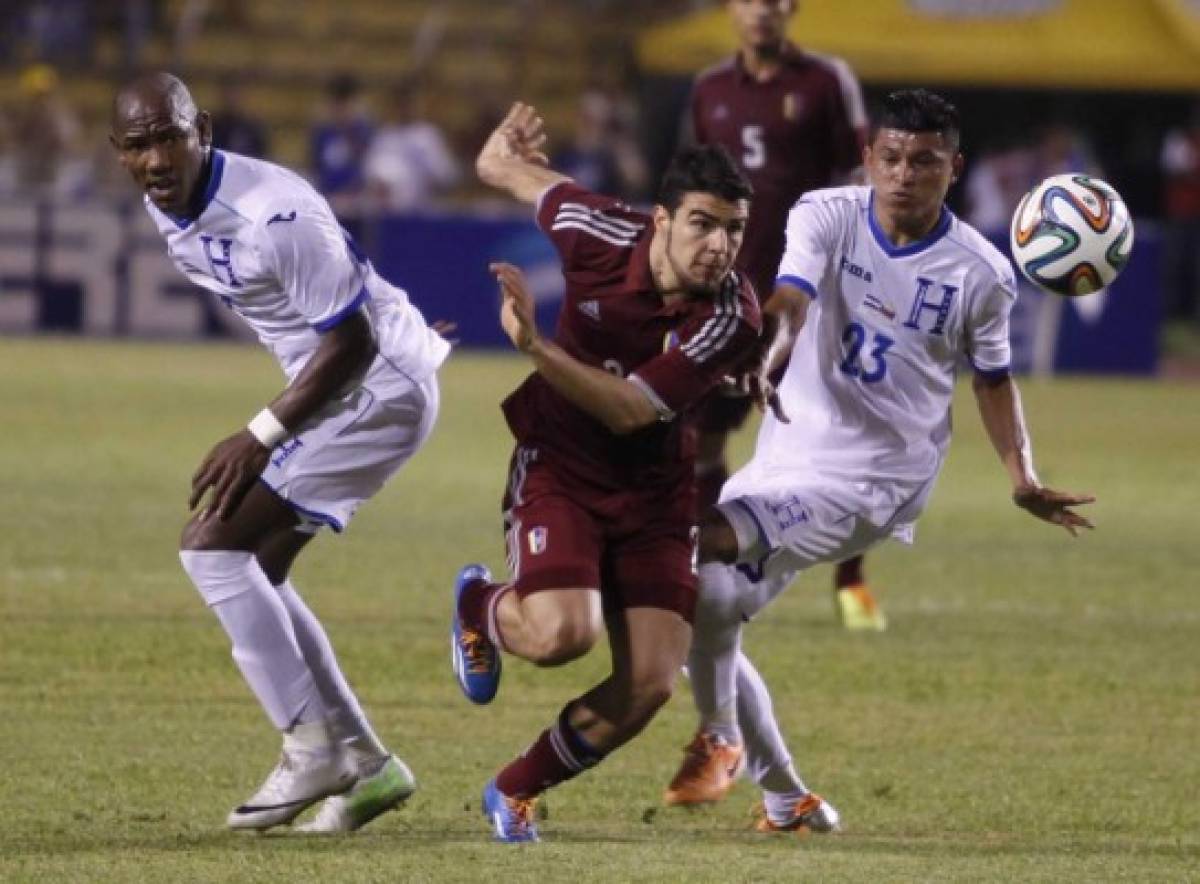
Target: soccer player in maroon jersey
794	120
600	510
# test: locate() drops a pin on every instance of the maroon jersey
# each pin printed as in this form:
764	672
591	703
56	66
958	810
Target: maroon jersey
613	318
799	131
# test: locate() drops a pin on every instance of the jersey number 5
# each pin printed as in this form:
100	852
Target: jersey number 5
754	149
854	337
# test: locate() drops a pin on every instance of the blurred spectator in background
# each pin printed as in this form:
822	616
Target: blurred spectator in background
409	161
1180	164
339	145
58	31
603	155
8	172
233	127
998	180
46	138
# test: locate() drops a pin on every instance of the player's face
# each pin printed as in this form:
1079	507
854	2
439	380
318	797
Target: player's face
761	24
162	149
911	173
703	236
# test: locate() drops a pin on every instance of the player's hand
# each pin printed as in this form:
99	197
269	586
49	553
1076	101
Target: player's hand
1054	506
516	306
521	135
230	470
757	385
446	329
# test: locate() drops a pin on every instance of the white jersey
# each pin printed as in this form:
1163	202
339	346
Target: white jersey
869	384
269	246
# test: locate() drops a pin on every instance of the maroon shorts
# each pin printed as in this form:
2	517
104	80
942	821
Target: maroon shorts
638	547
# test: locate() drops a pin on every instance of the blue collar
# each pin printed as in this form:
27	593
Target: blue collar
939	230
216	169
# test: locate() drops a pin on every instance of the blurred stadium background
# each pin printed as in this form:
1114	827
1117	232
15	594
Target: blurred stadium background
1029	715
383	104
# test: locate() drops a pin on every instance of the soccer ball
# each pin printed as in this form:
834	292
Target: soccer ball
1072	234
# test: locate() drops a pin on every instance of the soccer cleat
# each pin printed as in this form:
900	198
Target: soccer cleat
709	768
858	610
475	659
511	818
371	796
300	780
812	813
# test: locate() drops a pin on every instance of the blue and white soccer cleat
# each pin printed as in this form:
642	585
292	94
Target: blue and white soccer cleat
475	658
511	818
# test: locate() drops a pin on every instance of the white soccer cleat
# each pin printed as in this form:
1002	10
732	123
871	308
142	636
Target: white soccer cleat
371	796
812	813
300	780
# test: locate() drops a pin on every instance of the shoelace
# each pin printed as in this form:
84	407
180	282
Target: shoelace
521	814
698	754
478	650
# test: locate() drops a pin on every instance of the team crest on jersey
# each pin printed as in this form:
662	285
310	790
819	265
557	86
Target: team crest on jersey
670	341
590	309
720	112
537	539
793	106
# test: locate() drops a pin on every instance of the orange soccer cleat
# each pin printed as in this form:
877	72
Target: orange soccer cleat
710	766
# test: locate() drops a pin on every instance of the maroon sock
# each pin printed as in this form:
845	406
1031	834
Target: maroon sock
474	601
555	757
849	573
708	486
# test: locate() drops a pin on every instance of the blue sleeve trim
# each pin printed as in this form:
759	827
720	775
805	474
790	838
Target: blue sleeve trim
798	282
991	374
326	324
305	514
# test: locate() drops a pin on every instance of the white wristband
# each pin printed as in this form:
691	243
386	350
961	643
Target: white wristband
267	429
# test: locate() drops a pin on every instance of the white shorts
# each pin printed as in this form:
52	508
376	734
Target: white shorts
343	458
785	529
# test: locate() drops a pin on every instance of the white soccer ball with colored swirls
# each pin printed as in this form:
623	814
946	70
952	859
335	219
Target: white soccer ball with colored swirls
1072	234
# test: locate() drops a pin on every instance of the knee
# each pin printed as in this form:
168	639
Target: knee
562	639
650	694
718	540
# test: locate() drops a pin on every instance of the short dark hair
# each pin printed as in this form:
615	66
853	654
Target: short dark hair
918	110
706	168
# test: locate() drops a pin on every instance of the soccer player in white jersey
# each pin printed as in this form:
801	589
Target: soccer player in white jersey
880	294
361	398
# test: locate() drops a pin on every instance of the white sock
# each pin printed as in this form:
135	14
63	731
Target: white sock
715	642
768	762
349	722
781	806
264	643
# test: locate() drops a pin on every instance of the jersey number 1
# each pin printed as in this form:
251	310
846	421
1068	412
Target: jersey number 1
854	337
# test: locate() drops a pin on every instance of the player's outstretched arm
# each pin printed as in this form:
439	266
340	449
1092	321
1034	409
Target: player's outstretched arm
614	401
1000	408
783	317
339	363
512	159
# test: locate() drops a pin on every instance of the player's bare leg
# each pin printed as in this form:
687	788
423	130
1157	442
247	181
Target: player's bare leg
547	627
712	468
648	648
220	557
856	606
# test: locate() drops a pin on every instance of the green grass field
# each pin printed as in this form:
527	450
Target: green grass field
1031	715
